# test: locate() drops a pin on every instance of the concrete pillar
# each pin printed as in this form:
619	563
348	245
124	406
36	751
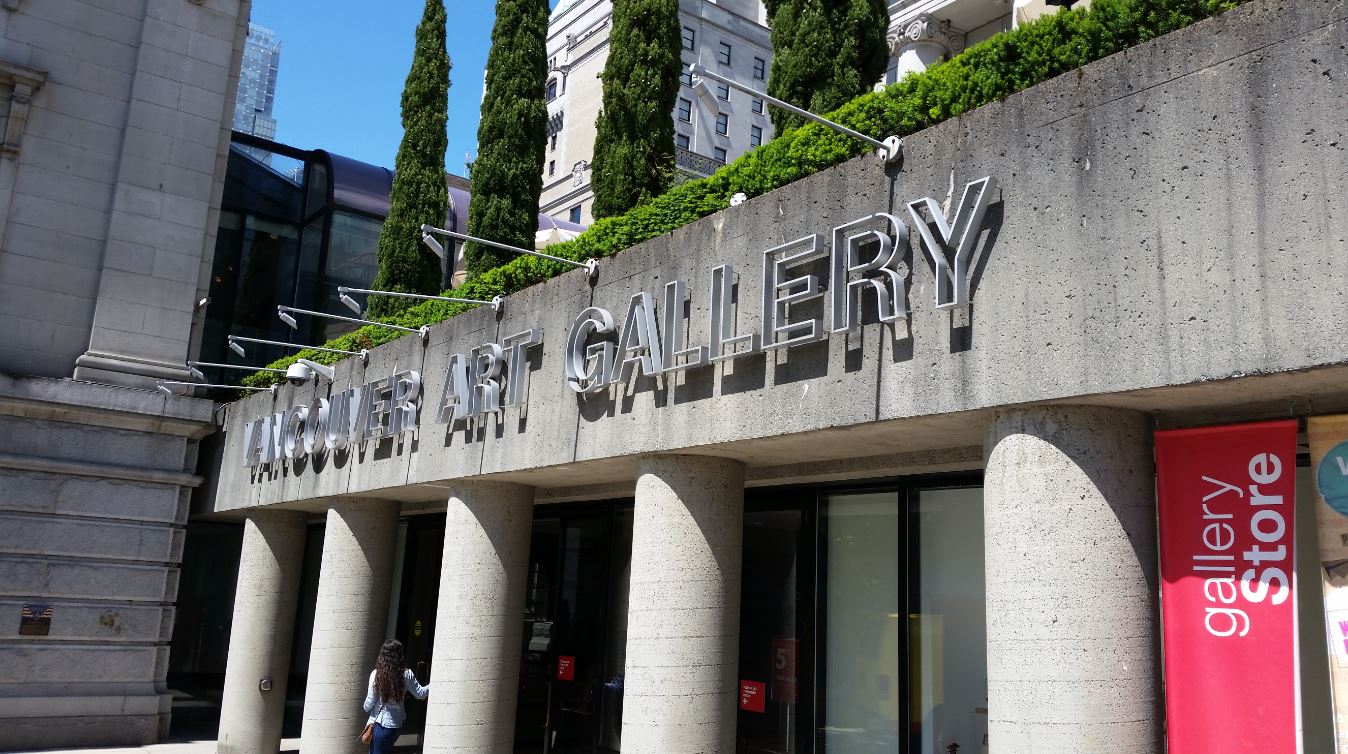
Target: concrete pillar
1073	623
261	632
475	669
684	611
349	621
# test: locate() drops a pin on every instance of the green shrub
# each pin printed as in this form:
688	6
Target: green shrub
984	73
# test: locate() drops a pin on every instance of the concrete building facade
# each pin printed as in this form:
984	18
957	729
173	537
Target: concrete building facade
712	125
115	120
931	525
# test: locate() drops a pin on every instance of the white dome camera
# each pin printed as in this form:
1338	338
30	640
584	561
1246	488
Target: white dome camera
304	370
298	373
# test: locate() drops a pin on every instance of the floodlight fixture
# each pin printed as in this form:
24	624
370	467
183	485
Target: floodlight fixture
235	340
891	148
591	266
433	244
284	313
322	370
496	303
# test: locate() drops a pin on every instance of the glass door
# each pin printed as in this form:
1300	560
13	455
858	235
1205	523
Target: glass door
575	630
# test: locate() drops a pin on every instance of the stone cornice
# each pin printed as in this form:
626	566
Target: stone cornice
926	28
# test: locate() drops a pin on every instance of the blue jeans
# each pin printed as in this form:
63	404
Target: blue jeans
384	738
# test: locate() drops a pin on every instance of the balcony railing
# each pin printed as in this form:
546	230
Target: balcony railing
698	164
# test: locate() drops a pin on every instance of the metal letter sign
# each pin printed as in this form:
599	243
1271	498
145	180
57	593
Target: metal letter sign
590	365
863	257
958	235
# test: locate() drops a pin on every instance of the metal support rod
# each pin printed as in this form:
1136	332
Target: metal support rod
162	383
891	147
591	265
239	367
282	310
496	303
296	346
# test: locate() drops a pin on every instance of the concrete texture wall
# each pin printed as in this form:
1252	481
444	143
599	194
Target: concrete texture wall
349	620
262	633
94	485
109	197
1073	621
683	615
478	631
1165	237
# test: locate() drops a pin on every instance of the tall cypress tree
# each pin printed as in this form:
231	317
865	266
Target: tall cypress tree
508	173
419	192
824	53
634	135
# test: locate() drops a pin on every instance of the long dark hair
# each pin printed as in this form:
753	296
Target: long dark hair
388	672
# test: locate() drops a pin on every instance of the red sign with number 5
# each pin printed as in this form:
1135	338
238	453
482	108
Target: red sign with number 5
784	670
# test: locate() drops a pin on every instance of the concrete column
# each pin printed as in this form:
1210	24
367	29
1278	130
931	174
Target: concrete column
684	611
349	622
479	621
261	632
1073	623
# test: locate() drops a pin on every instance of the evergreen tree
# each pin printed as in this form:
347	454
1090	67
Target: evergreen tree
634	135
508	173
419	193
824	53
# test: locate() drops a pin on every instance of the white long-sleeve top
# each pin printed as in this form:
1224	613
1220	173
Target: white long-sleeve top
390	714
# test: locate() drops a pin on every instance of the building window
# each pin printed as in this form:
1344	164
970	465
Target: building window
723	92
758	105
552	89
689	38
760	68
723	124
552	167
552	143
755	135
723	54
681	141
718	153
685	110
686	77
574	215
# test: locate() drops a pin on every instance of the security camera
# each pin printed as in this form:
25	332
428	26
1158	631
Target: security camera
297	374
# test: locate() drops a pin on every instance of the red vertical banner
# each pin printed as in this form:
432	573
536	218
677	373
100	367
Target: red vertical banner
1225	504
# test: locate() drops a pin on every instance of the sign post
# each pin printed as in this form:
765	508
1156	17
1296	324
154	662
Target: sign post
1226	504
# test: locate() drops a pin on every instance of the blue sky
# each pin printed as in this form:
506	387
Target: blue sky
342	69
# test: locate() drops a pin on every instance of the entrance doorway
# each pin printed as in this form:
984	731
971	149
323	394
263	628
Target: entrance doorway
575	630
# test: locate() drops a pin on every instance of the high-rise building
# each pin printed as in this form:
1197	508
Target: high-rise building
257	83
711	125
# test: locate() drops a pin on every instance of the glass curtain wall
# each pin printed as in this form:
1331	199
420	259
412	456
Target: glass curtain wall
286	236
863	620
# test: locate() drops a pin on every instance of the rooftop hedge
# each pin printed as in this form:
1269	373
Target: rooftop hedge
983	73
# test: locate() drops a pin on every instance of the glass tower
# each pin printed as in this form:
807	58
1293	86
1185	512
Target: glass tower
257	85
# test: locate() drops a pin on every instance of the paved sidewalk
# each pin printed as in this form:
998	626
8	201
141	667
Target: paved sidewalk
183	747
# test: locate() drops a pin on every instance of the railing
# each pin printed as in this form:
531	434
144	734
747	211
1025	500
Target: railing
693	162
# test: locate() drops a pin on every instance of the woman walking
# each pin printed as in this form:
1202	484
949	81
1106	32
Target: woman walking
390	683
